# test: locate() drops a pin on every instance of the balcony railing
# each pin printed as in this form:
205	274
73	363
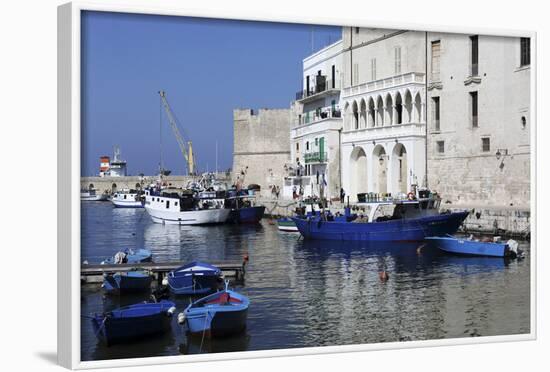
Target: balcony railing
313	116
321	86
391	82
315	157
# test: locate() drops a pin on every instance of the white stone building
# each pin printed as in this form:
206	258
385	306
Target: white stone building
383	99
478	119
316	127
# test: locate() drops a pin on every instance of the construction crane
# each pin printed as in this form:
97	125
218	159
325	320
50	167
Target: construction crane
186	150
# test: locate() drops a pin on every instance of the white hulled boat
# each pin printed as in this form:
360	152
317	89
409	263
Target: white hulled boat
184	207
92	195
127	199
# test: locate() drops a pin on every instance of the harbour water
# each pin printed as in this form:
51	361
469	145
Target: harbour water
311	293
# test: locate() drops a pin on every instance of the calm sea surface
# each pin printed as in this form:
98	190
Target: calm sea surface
311	293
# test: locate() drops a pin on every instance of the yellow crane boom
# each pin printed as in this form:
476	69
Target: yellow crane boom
186	150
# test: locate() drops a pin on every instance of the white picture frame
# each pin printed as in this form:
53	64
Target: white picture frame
69	188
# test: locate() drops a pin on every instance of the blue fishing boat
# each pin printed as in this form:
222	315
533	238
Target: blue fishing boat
243	208
130	256
399	220
472	247
219	314
193	278
128	282
133	322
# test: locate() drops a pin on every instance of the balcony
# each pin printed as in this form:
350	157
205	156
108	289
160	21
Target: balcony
318	115
322	88
388	83
395	131
315	157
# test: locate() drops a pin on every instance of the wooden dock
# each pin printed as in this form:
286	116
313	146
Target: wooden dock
92	273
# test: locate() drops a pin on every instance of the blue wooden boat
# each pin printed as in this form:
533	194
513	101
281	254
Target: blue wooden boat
130	256
411	220
219	314
193	278
133	322
128	282
243	208
471	247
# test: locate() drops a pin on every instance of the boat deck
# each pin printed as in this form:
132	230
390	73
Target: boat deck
94	273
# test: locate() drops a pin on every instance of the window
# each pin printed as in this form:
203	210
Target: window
167	204
297	146
440	147
307	145
436	111
485	144
473	105
316	141
436	56
373	69
525	53
523	122
356	30
474	54
397	55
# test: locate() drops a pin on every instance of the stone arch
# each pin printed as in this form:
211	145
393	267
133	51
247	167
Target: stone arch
379	111
388	119
363	114
347	116
372	113
408	106
358	172
355	124
90	186
380	169
113	188
398	108
417	117
399	164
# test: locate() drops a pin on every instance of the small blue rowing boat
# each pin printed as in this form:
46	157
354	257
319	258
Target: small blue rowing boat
469	246
133	322
129	282
193	278
130	256
219	314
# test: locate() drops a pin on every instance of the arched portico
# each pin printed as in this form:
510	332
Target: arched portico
400	183
358	172
380	169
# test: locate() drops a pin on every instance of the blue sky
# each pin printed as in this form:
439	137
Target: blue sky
207	67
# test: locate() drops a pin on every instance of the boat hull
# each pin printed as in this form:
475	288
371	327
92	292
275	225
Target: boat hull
127	203
113	329
198	217
286	225
469	247
393	230
247	214
218	319
127	283
102	197
192	286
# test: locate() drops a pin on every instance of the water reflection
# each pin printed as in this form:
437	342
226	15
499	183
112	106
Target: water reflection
315	293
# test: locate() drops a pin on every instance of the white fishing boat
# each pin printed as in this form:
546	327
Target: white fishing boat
173	206
127	199
92	195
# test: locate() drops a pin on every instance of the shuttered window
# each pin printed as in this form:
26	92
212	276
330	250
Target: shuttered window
474	44
473	106
525	45
436	56
397	55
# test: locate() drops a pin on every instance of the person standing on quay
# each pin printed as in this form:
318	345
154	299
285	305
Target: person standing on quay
342	195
